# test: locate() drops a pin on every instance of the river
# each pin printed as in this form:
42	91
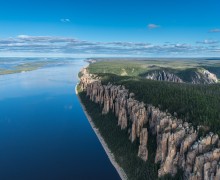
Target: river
44	133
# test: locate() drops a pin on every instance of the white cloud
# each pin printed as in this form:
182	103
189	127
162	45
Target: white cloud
23	36
65	20
207	41
214	30
153	26
67	46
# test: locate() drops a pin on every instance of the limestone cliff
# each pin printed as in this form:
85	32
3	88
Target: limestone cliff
178	144
204	77
163	76
194	76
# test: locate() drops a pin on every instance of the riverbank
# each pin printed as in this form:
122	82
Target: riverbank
110	155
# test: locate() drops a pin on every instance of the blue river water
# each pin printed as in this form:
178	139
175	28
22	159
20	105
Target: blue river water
44	133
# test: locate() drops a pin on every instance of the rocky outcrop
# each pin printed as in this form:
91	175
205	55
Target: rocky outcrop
194	76
178	145
163	76
204	77
142	151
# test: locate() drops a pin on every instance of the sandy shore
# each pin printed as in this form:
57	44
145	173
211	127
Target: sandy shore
111	156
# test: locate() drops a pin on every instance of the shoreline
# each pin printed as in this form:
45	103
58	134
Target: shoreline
110	155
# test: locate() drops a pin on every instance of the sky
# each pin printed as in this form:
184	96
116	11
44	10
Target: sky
156	28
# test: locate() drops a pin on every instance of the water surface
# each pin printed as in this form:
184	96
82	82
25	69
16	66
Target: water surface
44	133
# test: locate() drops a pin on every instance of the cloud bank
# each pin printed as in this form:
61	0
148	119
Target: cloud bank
24	45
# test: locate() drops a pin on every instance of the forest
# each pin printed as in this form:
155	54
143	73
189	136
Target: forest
194	103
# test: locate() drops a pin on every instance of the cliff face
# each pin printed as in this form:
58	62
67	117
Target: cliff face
178	145
163	76
202	76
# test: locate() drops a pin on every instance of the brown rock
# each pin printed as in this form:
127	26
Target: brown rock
143	152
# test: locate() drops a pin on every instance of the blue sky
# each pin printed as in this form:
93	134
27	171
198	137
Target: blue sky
168	28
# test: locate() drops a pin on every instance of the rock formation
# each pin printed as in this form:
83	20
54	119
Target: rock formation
195	76
142	151
163	76
204	77
178	144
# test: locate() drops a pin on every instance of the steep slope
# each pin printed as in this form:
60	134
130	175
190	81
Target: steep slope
194	76
163	76
178	143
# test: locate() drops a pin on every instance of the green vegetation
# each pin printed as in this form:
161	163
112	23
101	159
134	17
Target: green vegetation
118	67
118	142
198	104
184	68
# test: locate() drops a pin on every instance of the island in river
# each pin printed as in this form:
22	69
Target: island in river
159	127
